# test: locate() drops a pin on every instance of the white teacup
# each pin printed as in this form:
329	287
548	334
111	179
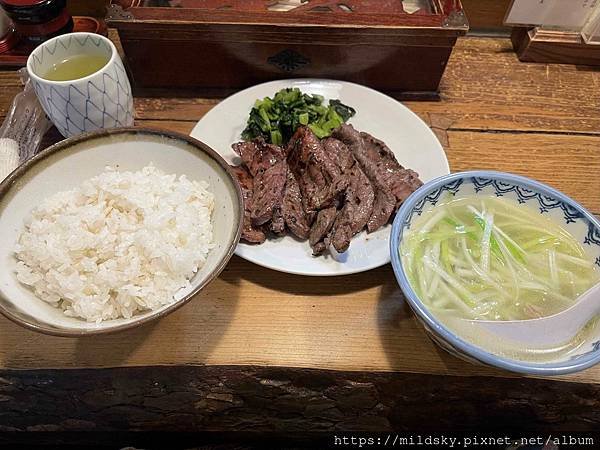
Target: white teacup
97	101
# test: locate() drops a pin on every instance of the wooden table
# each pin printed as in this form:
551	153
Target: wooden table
263	350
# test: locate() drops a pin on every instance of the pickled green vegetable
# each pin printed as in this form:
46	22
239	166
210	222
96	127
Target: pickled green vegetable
276	119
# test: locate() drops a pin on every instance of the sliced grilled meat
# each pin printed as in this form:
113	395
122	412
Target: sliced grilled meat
341	233
320	229
292	209
267	164
319	178
383	208
269	187
249	233
400	181
385	201
359	197
246	150
339	153
257	155
326	191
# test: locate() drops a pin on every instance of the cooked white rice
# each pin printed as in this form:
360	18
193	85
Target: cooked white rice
120	243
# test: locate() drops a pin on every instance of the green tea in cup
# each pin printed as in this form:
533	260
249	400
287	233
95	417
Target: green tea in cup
75	67
81	83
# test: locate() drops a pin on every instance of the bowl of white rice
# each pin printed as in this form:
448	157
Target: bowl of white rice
110	230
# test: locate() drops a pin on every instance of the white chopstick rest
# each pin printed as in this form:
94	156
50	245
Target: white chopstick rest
9	157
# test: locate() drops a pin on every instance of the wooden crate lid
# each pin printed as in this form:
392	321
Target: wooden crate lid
447	15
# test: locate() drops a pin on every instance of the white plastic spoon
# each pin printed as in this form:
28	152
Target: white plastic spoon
552	330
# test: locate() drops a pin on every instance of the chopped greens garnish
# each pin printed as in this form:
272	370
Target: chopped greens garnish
276	119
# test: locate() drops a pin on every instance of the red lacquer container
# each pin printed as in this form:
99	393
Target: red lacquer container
38	20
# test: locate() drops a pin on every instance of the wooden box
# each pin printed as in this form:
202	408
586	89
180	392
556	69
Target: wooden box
225	45
535	44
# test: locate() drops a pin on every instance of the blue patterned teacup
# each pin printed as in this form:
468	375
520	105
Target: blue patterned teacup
97	101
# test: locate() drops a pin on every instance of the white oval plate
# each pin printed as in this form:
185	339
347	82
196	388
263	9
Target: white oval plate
411	140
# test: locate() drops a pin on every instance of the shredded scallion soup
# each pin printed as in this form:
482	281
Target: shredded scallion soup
489	258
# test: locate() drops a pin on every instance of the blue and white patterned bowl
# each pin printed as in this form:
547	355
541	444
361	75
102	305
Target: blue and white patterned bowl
547	201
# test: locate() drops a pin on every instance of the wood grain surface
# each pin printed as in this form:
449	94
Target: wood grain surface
486	15
268	399
493	112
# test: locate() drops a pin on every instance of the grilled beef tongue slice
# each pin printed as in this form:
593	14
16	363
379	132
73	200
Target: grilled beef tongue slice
383	208
267	164
341	233
320	228
359	197
249	233
400	181
246	150
384	203
292	209
319	178
257	155
379	164
269	187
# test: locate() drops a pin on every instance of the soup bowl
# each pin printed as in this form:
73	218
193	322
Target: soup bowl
538	197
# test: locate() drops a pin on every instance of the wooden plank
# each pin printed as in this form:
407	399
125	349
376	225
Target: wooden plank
485	87
10	85
234	399
161	108
179	126
568	163
9	79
